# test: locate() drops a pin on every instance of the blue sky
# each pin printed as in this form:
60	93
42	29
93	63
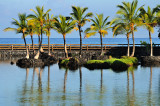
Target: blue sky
10	8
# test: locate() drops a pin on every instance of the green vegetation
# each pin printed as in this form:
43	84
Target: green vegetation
81	18
129	17
64	62
100	25
150	20
130	61
64	26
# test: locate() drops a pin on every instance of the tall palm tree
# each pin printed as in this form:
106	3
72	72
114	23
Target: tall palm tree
81	18
48	27
39	17
121	26
64	25
150	21
31	31
100	25
21	25
130	12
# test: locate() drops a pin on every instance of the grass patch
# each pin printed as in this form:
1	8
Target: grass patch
130	61
64	62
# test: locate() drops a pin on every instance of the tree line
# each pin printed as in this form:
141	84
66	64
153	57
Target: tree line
129	18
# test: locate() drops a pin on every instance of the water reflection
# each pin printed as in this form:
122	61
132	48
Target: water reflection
150	88
51	86
101	82
80	87
131	98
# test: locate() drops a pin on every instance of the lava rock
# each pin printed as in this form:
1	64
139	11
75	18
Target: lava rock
12	63
119	66
24	63
73	64
44	60
150	60
93	66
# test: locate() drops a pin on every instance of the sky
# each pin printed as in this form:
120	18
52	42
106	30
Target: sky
10	8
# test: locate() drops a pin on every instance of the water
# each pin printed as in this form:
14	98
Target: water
53	86
76	40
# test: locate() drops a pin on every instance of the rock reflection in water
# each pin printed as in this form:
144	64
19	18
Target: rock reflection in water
53	86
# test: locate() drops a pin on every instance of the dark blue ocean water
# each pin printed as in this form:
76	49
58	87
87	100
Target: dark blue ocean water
76	40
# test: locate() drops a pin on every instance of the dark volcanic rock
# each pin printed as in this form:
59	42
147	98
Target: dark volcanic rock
12	63
44	60
119	66
24	63
73	64
97	66
150	60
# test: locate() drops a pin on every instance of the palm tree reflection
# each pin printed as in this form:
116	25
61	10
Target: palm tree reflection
80	76
101	85
131	100
32	81
80	88
133	83
48	85
25	84
150	88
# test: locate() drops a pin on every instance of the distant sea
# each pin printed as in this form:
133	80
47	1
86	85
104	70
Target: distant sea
76	40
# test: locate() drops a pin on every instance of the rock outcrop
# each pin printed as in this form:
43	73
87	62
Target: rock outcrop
44	60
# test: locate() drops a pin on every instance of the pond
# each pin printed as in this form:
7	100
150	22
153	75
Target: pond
53	86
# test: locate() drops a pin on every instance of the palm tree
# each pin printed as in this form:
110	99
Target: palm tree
39	17
49	26
130	12
150	21
100	25
81	18
121	26
64	26
21	28
31	31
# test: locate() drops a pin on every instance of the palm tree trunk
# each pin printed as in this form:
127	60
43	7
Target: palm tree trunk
128	45
32	43
80	53
101	44
151	43
49	46
133	45
65	48
39	38
27	52
40	44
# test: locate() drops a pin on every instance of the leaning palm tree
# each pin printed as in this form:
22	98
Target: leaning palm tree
64	25
81	18
130	12
48	27
121	26
21	28
31	31
150	21
39	17
100	25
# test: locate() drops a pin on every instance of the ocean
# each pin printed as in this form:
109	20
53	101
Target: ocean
77	41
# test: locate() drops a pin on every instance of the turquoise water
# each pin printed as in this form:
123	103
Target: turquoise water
76	40
53	86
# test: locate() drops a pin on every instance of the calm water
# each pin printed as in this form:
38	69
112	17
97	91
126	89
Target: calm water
53	86
76	40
